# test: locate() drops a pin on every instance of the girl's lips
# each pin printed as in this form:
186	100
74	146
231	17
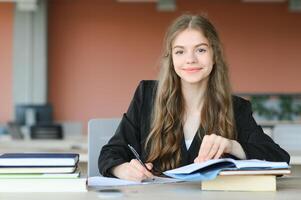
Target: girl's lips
192	69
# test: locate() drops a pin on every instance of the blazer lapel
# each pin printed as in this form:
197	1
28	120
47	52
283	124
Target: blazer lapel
189	155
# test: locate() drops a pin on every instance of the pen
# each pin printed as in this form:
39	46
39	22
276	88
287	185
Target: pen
137	156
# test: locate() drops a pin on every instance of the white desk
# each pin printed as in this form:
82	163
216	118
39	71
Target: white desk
288	188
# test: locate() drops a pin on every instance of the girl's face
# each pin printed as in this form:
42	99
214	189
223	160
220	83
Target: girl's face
192	56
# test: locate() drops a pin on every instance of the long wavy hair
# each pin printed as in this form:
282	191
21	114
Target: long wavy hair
166	133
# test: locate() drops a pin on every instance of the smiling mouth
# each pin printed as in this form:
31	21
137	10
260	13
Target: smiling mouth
194	69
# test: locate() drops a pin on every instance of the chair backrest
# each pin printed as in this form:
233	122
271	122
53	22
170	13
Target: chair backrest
288	136
99	133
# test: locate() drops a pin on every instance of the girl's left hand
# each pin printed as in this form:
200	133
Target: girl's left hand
212	147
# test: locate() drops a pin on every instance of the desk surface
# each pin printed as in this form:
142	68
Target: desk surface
288	188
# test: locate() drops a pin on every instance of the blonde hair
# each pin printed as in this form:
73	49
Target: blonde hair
166	134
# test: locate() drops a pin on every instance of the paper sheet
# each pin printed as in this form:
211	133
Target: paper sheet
101	181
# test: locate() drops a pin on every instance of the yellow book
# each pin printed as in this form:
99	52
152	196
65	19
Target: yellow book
245	180
241	183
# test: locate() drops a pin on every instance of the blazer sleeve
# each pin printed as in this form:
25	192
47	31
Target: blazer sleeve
116	151
256	144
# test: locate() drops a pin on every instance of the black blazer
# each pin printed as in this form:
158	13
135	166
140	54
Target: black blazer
135	126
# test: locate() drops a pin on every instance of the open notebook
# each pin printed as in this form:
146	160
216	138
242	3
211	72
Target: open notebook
210	169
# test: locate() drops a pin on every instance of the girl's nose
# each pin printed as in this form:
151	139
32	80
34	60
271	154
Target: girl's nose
191	58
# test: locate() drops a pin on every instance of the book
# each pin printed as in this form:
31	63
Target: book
35	169
40	176
245	180
210	169
255	172
43	185
39	159
241	183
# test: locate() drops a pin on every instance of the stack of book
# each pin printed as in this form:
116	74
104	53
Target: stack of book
40	172
233	175
246	180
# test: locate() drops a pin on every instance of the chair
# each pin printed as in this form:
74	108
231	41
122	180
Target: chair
99	133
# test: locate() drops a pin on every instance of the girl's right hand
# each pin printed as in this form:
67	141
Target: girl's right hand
133	171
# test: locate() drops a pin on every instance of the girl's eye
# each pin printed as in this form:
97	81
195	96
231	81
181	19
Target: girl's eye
201	50
178	52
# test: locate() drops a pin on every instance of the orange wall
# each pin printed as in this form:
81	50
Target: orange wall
6	34
99	50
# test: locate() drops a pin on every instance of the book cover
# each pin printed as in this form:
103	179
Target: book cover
39	159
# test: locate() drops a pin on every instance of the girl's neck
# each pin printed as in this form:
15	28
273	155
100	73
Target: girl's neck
193	95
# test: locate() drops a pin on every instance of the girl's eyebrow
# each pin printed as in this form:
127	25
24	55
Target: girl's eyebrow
202	44
198	45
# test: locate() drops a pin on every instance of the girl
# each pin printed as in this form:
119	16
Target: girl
189	114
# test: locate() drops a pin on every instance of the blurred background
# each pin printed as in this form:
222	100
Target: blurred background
64	62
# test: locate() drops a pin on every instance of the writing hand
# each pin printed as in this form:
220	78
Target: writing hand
133	171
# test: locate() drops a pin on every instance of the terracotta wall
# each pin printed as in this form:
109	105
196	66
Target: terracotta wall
99	50
6	36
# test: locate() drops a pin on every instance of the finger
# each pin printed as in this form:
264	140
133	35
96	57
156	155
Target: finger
137	171
136	175
220	151
214	148
135	163
229	146
197	160
208	144
149	166
141	168
224	145
131	173
200	156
